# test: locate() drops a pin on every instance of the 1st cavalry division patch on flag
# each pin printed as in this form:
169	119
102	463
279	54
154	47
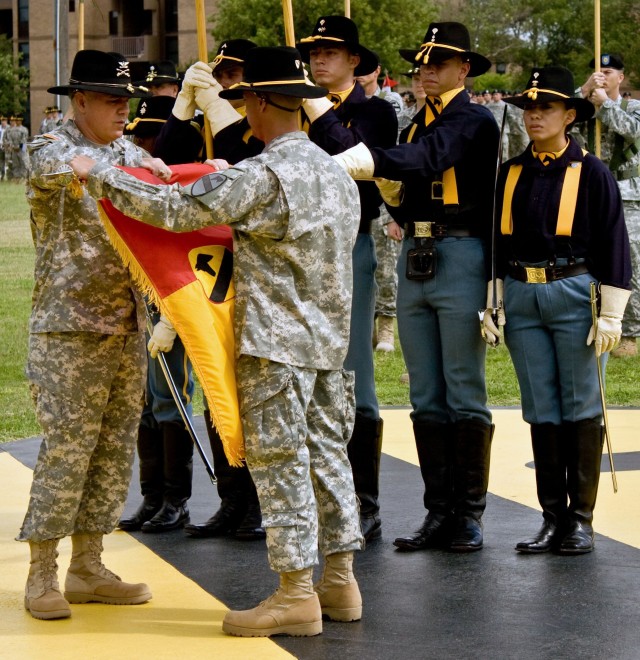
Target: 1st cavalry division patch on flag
189	277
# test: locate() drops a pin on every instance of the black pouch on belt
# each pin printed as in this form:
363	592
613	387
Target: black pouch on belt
421	260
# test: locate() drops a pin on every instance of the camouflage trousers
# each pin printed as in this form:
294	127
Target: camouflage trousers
387	252
631	320
296	424
88	390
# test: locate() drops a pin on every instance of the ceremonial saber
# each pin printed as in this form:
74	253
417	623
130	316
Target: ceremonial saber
494	226
181	408
594	320
597	54
347	8
203	56
289	32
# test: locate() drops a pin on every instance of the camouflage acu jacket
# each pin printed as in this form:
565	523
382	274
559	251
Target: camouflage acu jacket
81	284
625	123
295	216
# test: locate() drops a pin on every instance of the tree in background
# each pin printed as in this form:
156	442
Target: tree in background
383	25
514	34
14	81
527	33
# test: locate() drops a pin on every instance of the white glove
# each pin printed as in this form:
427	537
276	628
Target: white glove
219	112
608	327
198	76
358	161
391	191
162	337
490	332
315	108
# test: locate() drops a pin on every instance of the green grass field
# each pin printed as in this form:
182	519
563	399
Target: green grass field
16	276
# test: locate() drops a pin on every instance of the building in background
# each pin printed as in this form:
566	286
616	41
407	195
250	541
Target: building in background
45	33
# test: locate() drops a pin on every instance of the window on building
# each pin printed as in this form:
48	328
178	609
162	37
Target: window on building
23	19
171	16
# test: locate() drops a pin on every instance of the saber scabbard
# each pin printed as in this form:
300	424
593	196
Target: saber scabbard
605	419
181	408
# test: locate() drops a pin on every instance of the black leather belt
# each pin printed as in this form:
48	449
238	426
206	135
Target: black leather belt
547	274
437	230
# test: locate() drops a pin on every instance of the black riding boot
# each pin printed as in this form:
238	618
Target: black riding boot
547	441
178	473
364	451
434	444
151	462
239	500
583	455
472	453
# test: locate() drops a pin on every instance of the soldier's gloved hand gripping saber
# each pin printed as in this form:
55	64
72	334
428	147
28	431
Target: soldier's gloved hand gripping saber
495	306
605	419
183	411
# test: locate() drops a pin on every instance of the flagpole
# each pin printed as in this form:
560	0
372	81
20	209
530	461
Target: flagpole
289	32
347	8
597	54
203	56
81	25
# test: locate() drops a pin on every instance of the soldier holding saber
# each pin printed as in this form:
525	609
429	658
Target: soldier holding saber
561	227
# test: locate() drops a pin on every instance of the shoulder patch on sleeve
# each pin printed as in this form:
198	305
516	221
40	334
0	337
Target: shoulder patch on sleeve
207	183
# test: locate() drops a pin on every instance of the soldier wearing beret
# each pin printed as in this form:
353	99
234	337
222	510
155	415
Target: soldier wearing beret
620	149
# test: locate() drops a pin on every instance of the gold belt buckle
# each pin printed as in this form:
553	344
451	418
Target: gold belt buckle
422	229
437	190
536	275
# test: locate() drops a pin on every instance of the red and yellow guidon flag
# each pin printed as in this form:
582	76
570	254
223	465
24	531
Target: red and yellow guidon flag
189	277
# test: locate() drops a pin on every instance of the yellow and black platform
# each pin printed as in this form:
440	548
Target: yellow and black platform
494	604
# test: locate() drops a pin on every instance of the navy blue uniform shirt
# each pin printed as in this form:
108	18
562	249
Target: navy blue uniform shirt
358	119
465	136
598	234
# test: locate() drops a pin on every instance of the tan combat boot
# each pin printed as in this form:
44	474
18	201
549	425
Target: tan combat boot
386	337
338	590
42	597
626	348
89	581
293	610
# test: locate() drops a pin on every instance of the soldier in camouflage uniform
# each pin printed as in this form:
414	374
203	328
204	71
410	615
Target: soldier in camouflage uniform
15	140
295	218
620	149
86	350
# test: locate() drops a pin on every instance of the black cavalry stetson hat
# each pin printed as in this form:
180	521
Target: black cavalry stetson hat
608	61
442	42
151	114
97	71
339	31
553	83
160	73
231	53
277	70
